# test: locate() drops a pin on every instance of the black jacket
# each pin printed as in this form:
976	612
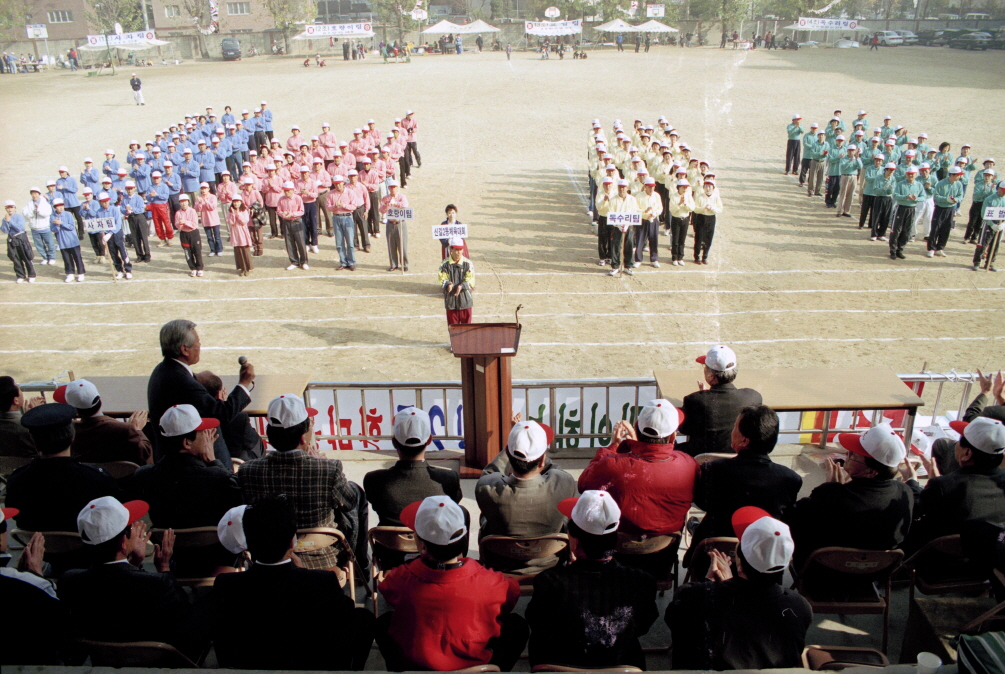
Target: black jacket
51	492
391	489
243	441
185	492
40	630
737	625
948	501
171	384
709	417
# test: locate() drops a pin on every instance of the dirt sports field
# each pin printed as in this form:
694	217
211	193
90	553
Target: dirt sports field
788	284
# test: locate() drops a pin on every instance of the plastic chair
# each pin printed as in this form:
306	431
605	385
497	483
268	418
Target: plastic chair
319	538
859	599
395	539
119	470
713	456
649	545
524	550
723	544
625	669
135	654
187	539
949	546
836	658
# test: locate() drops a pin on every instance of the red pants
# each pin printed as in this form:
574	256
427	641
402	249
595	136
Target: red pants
458	316
162	221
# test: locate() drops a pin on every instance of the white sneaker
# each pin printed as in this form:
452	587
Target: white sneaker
940	253
873	238
602	263
656	265
199	273
883	238
630	272
315	249
119	276
305	266
930	253
129	274
20	280
614	272
31	279
80	278
291	267
192	273
101	259
69	278
636	265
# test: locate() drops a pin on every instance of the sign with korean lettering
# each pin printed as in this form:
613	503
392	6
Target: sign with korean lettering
994	213
624	220
400	214
448	231
553	27
125	39
655	11
813	23
361	29
95	225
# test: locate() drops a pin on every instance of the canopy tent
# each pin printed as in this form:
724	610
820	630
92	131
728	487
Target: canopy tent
136	46
616	26
553	28
654	26
442	28
478	26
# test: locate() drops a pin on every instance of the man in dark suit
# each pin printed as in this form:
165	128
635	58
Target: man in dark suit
115	599
14	438
709	415
173	383
243	441
327	631
750	479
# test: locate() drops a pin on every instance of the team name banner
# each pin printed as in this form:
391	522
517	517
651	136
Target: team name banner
448	231
811	23
994	213
95	225
337	29
400	214
554	27
139	37
624	220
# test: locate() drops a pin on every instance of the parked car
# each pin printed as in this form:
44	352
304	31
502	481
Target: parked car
231	48
889	38
941	37
909	37
998	41
971	41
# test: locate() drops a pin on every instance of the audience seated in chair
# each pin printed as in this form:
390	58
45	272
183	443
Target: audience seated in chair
325	632
448	611
745	622
242	441
15	440
591	612
98	438
944	449
525	501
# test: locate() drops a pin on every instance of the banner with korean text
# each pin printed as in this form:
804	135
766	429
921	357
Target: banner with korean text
124	40
553	27
813	23
360	29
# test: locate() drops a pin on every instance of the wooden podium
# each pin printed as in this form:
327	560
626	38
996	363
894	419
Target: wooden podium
486	387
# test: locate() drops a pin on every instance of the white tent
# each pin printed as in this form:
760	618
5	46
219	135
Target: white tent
616	26
478	26
654	26
442	28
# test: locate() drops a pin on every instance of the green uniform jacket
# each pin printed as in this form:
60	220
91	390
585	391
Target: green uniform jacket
883	186
944	190
905	190
871	173
850	166
834	156
795	131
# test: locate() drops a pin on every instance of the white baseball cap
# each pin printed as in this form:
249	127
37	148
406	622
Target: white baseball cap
607	180
182	419
230	530
890	167
288	410
529	440
880	442
104	518
183	197
166	164
921	444
81	393
983	434
412	427
130	183
683	183
436	519
58	202
719	358
659	419
956	170
595	512
797	116
10	202
288	185
765	542
861	112
456	242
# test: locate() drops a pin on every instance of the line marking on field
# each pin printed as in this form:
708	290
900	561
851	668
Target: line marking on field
616	345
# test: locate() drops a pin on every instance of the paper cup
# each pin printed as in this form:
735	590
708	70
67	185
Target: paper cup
928	663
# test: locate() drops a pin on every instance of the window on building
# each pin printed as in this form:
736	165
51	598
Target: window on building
236	8
172	11
60	16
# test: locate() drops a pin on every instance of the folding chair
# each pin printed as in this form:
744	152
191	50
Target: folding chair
319	538
190	539
119	470
948	546
136	654
394	539
56	542
713	456
638	545
624	669
723	544
524	550
836	658
993	620
855	598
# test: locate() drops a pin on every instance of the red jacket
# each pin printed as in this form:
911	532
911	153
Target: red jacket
652	484
443	620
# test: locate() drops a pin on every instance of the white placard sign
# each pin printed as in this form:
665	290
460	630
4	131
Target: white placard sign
994	213
95	225
813	23
337	29
655	11
553	27
139	37
400	214
37	31
624	220
448	231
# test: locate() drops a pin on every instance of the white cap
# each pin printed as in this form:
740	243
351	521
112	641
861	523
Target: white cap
288	410
622	183
183	197
50	182
880	442
607	180
390	183
58	202
412	427
109	151
861	112
104	518
88	160
880	156
230	530
767	545
104	197
683	183
956	170
167	163
659	419
649	181
247	180
130	183
595	512
840	137
528	441
890	167
984	434
63	169
10	202
288	185
455	242
921	444
182	419
436	519
797	116
339	178
35	189
719	358
80	393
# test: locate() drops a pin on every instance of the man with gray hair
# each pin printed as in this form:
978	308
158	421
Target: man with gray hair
711	411
173	383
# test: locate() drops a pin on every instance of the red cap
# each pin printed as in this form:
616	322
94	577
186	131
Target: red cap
137	509
700	359
853	443
548	432
958	426
746	516
407	515
9	513
566	505
59	395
